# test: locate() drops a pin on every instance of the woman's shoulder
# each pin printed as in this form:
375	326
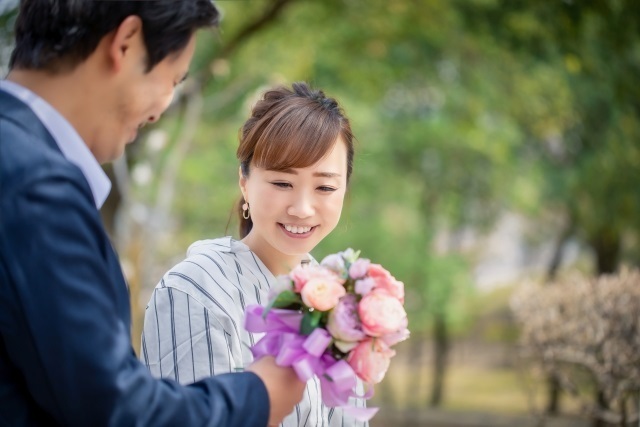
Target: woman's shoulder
207	274
210	246
218	261
226	245
196	268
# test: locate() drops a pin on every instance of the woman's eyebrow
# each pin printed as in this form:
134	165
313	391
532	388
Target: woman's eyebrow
316	174
327	174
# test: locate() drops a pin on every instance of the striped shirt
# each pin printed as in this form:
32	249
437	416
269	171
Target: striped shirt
193	324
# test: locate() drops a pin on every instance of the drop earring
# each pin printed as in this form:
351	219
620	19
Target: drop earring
246	214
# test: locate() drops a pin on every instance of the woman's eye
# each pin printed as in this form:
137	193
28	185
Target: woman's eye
327	189
282	184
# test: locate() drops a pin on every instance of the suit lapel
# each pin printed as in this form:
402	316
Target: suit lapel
13	109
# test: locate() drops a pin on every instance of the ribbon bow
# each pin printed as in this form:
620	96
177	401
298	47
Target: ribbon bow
306	355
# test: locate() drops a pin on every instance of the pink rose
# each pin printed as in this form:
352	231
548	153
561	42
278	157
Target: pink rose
381	313
322	292
344	323
384	280
300	274
370	360
394	338
395	288
359	268
378	272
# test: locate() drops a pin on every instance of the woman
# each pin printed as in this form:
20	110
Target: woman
296	156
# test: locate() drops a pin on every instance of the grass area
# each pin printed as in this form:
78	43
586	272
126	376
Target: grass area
468	388
473	388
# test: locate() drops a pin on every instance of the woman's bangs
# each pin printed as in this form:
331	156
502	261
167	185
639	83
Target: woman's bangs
294	144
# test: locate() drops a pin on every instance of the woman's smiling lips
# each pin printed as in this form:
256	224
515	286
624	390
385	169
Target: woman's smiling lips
297	231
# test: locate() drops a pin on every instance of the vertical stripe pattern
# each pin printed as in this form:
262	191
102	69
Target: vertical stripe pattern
193	324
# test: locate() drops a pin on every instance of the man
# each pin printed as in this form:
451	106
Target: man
85	76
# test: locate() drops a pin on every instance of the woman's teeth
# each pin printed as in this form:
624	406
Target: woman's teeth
297	230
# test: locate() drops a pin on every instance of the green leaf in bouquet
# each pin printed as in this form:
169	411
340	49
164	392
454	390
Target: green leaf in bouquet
350	286
284	299
310	321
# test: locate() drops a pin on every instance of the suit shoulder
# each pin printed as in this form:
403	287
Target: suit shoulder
27	159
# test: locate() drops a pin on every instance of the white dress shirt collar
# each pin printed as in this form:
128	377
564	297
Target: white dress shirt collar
70	143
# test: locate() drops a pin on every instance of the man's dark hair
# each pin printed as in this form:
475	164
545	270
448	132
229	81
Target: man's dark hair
56	34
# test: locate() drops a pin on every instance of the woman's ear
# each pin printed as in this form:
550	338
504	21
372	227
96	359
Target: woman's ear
242	182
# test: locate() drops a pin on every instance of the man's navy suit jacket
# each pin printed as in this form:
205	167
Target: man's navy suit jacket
65	345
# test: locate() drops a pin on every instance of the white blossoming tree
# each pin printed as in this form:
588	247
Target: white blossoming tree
587	333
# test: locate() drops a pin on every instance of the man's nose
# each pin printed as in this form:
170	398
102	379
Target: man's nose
162	108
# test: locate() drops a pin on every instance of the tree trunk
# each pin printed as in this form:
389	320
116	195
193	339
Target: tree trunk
606	245
623	412
554	389
558	250
602	405
553	402
441	350
415	382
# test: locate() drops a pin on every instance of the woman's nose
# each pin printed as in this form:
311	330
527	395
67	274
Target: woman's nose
301	206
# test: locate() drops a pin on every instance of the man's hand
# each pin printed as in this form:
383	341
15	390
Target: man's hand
283	385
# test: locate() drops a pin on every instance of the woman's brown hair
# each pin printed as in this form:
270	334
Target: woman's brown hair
291	128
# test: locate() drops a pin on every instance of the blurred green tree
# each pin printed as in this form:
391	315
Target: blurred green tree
585	135
463	110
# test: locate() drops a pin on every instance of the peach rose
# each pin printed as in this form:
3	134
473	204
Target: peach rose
322	292
301	274
381	313
370	360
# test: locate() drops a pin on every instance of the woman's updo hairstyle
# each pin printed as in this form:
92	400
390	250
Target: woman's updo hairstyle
290	129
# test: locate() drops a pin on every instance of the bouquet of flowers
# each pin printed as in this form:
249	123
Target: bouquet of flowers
337	320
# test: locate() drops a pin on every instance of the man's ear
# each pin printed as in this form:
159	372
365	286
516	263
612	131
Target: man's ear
127	41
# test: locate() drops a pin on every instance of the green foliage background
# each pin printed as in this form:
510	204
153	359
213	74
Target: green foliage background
463	110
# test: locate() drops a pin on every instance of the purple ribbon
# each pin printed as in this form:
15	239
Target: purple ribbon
306	355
